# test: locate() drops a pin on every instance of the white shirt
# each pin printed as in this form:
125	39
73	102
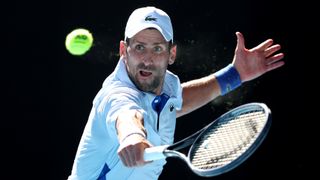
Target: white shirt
99	143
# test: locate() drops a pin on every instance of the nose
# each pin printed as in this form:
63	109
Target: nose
148	58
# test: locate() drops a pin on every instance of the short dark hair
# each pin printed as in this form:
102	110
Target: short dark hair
127	40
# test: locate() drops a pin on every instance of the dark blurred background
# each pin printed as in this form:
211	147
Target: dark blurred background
48	92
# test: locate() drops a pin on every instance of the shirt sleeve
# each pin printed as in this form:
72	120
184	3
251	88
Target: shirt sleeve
117	103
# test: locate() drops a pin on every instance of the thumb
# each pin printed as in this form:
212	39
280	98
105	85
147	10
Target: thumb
240	41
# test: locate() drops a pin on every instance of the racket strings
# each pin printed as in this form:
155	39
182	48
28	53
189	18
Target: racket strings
227	140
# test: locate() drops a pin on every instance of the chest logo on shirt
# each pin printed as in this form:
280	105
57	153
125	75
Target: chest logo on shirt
159	102
171	107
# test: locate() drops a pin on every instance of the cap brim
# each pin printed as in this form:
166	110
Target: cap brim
130	33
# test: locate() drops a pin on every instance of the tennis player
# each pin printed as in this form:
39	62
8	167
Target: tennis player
139	102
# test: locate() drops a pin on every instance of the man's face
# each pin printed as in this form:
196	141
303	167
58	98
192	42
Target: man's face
147	57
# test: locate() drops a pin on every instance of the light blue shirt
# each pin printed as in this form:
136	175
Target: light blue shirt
99	143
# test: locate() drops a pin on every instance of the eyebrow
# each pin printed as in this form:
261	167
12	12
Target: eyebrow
143	43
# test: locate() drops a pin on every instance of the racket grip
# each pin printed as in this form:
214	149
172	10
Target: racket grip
154	153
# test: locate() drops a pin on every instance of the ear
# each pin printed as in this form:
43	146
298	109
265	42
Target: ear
123	49
173	54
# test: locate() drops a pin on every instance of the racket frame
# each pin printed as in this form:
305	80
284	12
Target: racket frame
239	160
164	151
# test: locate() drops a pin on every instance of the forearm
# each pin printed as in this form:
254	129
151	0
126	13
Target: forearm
132	138
129	123
197	93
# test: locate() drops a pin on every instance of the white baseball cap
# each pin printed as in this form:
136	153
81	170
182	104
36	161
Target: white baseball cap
149	17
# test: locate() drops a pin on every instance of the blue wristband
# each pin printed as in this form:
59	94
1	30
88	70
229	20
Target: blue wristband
228	79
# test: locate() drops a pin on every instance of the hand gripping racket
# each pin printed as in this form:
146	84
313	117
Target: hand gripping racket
223	144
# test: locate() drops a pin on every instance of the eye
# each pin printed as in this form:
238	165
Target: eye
139	47
158	49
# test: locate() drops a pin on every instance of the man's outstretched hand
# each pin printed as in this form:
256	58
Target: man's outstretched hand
252	63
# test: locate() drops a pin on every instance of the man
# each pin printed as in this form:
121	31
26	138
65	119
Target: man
139	102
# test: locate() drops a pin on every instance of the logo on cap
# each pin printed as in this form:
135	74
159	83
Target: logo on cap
149	18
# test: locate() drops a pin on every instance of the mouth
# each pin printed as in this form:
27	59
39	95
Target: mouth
144	73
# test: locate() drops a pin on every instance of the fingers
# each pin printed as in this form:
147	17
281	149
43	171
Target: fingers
273	62
264	45
125	157
274	58
269	51
131	156
275	65
131	151
240	41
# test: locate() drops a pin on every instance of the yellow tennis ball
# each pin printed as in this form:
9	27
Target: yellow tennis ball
79	41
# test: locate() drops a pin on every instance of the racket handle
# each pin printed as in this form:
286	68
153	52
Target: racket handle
154	153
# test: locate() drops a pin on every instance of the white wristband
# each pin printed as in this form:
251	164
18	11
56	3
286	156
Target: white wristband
129	129
133	133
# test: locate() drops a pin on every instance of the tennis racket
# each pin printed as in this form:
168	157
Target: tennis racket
223	144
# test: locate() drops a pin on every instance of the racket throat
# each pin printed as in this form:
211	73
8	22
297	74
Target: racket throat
176	154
